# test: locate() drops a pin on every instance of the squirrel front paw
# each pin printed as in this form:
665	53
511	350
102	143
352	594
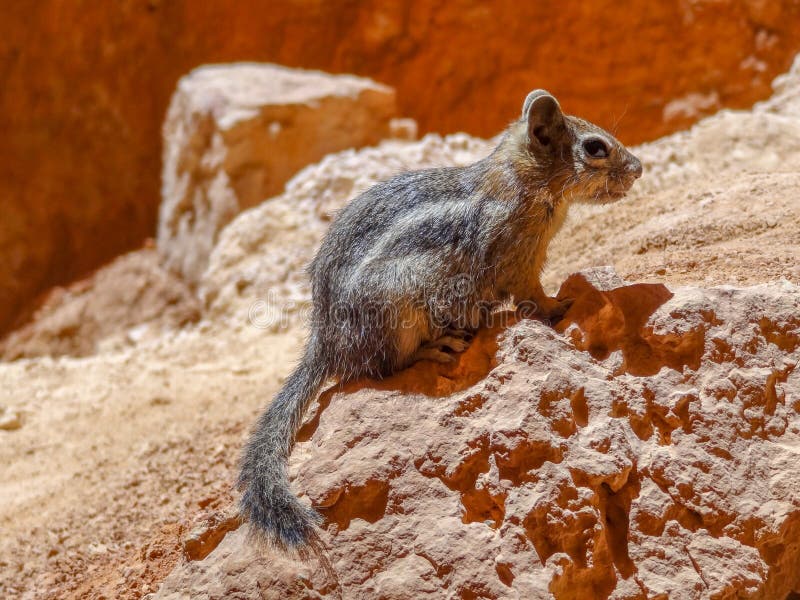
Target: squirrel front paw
549	308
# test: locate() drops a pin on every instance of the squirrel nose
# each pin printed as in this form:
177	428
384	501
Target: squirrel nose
634	167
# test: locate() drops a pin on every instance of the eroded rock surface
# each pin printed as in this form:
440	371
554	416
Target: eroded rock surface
645	448
234	134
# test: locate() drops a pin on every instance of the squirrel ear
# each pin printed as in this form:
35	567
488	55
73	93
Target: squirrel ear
544	116
526	106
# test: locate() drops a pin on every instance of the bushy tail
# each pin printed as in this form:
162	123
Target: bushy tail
276	516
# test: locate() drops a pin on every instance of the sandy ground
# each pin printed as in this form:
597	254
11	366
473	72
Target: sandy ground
115	450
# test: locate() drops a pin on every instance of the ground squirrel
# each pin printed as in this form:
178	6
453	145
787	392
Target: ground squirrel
412	265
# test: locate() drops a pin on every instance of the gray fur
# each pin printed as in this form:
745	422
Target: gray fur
425	252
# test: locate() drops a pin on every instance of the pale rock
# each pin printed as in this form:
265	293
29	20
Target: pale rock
786	97
599	459
234	134
129	301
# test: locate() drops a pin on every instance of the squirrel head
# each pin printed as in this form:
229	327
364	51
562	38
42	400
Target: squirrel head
579	160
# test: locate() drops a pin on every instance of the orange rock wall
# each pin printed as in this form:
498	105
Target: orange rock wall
85	86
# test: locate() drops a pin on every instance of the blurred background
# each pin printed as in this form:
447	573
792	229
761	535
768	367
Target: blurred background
85	88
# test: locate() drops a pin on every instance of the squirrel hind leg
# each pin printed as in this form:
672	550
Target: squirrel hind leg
416	340
462	333
410	333
432	354
444	348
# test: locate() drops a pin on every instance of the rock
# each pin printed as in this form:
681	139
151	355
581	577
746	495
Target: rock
81	158
234	134
129	301
403	129
646	447
9	419
207	535
786	93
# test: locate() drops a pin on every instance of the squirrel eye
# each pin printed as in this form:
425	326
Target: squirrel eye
595	148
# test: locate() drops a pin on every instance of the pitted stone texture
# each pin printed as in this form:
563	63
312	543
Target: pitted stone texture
234	134
641	449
